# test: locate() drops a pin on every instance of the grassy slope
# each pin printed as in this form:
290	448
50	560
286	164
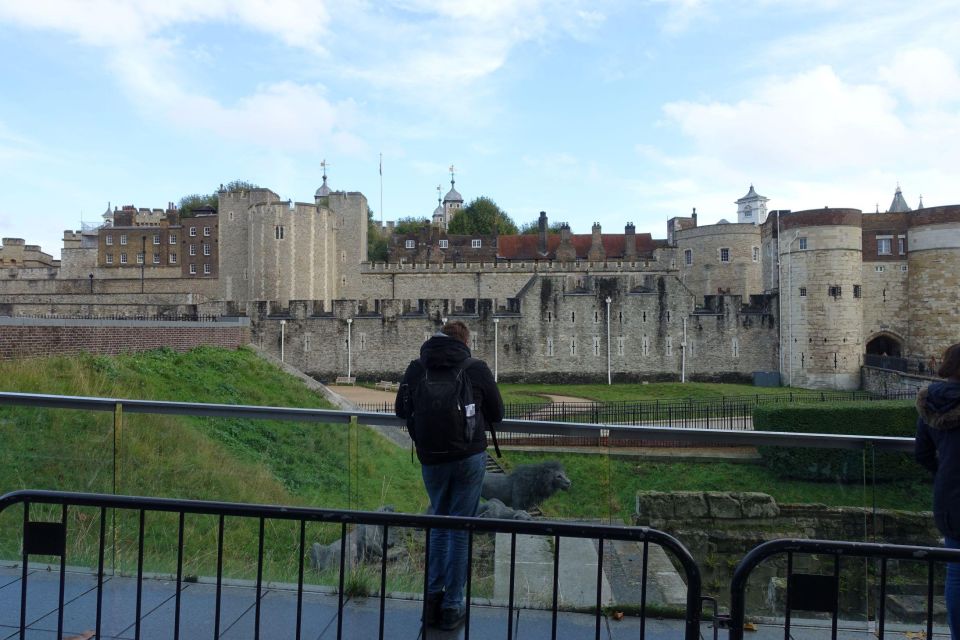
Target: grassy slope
653	391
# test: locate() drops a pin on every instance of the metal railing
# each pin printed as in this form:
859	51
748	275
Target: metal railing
49	539
821	593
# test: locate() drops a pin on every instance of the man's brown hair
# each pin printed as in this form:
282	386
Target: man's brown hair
457	329
950	367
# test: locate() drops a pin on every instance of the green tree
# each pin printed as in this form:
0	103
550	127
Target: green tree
240	185
410	224
377	244
482	216
530	228
190	203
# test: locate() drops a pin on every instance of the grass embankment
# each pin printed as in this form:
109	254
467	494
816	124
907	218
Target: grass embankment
235	460
519	393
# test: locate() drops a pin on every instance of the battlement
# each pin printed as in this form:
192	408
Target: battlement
13	242
533	266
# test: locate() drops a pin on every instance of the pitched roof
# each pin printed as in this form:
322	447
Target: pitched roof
524	247
899	205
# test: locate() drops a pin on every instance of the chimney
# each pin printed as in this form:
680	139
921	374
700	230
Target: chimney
630	241
566	252
596	251
694	216
542	233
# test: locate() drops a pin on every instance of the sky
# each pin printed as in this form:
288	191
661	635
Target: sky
596	111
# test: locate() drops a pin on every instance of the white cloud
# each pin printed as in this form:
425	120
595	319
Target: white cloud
925	77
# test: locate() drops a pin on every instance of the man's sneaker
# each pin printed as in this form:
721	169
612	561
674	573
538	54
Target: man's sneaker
432	612
452	618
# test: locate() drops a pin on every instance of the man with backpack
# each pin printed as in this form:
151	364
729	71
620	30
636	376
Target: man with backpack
449	400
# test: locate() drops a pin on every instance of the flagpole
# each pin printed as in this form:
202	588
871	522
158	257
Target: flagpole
381	189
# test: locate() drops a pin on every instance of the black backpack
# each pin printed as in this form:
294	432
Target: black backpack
443	416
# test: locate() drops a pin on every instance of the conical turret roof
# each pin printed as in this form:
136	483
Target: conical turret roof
899	205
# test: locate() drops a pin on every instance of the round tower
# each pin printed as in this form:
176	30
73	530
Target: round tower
933	280
719	258
452	202
821	324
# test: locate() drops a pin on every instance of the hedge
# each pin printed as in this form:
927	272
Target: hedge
878	418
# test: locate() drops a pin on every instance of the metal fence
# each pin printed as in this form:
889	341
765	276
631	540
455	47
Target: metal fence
904	365
49	539
163	317
820	593
726	413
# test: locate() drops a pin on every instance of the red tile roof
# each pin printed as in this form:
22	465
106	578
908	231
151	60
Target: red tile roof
524	247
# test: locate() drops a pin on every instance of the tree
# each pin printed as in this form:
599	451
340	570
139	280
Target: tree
410	224
530	228
189	204
482	216
377	245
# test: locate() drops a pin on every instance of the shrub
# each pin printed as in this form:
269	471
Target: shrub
882	418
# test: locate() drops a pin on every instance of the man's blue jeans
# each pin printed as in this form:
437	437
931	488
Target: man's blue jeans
952	589
454	490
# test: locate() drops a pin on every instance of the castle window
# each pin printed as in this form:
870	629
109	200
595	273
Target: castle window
549	316
206	249
834	291
123	238
109	239
173	238
903	267
306	342
193	249
573	346
411	244
549	346
645	345
688	257
724	254
206	269
884	247
756	254
156	257
620	314
172	258
139	257
156	238
277	232
109	258
596	345
476	243
193	232
193	269
802	243
856	291
644	316
343	257
596	317
669	346
444	244
879	268
803	292
573	317
206	231
668	315
230	215
620	343
901	244
123	258
363	341
735	348
473	341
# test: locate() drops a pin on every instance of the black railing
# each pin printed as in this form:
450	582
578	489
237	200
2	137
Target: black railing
164	317
821	593
904	365
50	539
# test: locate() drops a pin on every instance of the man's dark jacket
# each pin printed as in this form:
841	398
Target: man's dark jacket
938	449
442	351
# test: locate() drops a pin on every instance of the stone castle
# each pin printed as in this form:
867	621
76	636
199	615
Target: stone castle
805	293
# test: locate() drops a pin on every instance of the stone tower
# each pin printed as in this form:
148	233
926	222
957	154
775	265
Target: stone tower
934	245
821	327
452	202
752	208
234	212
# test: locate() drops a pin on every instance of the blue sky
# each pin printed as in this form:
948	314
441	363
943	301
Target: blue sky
592	111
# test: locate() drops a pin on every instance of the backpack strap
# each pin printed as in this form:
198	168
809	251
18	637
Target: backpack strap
464	364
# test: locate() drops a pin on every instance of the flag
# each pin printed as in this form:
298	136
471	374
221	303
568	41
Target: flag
381	164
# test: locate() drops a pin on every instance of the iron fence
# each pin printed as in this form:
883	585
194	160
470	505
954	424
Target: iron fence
821	592
49	539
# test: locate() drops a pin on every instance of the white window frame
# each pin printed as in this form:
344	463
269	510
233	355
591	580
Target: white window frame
444	244
902	244
206	268
206	232
206	249
173	238
172	258
476	243
193	249
123	258
109	258
123	238
410	244
879	268
193	232
108	239
156	238
156	257
140	257
884	245
193	269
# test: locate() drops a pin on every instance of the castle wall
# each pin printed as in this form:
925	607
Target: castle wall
39	337
822	339
234	214
934	282
707	272
349	219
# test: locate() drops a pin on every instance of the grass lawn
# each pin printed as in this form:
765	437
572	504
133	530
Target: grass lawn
605	486
516	393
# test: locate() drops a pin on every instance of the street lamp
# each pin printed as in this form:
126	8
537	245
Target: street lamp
496	349
283	323
349	347
609	375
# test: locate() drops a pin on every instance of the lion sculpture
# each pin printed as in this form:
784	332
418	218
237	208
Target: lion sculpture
527	486
494	508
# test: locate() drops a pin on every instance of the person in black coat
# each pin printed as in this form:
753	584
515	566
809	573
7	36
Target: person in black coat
938	449
453	476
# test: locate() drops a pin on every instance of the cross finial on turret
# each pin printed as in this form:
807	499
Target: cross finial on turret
324	164
438	193
452	171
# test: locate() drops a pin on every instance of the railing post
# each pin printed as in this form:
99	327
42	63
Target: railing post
117	477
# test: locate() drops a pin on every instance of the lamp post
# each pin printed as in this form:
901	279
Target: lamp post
349	347
609	375
283	323
91	282
496	349
143	259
